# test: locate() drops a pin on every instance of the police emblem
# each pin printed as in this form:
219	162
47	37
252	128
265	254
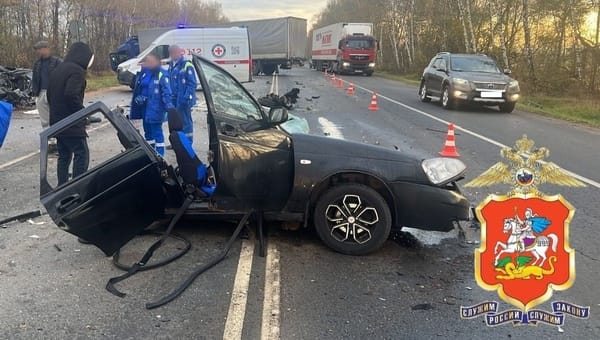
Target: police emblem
524	253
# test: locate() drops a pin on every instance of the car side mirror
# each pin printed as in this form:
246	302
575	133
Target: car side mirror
507	71
278	115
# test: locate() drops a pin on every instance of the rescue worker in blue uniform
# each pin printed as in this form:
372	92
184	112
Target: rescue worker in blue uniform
151	101
183	87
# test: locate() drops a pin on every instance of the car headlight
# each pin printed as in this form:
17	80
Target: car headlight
371	64
443	170
513	85
345	64
459	81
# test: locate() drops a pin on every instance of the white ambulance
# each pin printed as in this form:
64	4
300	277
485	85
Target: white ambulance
228	47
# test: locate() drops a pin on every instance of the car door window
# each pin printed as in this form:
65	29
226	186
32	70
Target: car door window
229	97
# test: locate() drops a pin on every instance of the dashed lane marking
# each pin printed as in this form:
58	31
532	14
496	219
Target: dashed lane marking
271	312
330	128
239	296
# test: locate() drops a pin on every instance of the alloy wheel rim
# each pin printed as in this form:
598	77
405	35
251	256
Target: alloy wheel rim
351	220
423	91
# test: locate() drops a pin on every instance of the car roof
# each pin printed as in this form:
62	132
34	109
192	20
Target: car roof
478	55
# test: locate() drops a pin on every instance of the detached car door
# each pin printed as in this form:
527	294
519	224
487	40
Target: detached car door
121	193
254	160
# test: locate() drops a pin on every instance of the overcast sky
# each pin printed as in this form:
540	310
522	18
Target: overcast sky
261	9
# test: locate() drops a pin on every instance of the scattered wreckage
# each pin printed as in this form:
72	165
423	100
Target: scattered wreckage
353	194
15	86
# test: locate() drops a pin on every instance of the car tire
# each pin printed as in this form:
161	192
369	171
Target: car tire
423	93
447	102
352	219
369	74
508	107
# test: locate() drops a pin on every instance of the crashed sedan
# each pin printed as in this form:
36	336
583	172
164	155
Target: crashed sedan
353	194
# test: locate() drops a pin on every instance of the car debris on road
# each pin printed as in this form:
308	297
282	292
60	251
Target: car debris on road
15	86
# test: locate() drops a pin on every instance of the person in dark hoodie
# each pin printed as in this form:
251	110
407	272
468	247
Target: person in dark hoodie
65	96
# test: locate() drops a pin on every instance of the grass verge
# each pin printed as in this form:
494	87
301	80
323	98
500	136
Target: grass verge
578	110
586	111
411	79
99	81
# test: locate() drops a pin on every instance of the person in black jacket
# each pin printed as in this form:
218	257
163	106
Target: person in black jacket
65	96
41	78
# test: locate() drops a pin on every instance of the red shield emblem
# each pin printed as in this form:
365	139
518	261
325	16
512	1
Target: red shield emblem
525	253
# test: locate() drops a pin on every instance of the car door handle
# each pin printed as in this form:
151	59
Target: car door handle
67	203
228	130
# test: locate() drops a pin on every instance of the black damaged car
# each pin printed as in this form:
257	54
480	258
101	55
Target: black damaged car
352	193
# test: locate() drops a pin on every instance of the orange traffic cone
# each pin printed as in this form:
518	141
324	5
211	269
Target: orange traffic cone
350	89
373	106
340	83
449	149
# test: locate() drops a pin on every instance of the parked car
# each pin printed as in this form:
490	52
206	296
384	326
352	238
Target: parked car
353	193
468	78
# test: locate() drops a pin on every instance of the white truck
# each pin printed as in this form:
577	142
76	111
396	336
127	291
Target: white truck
274	42
229	47
345	48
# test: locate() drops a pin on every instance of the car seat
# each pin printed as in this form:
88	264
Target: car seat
196	176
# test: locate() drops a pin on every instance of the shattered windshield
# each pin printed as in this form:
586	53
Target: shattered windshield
228	95
470	64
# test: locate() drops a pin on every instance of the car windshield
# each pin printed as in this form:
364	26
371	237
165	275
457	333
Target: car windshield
471	64
229	97
359	43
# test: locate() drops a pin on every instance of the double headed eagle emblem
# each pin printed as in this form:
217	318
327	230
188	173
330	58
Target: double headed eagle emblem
526	169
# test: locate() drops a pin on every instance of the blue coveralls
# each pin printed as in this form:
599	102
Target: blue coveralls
183	87
150	102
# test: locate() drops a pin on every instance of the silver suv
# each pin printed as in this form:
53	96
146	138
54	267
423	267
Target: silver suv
473	78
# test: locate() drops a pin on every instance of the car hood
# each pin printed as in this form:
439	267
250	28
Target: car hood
339	155
482	77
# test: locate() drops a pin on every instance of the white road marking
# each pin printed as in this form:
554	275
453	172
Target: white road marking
470	132
270	317
31	154
330	128
239	296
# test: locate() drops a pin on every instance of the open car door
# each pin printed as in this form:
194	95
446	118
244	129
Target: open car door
254	160
118	196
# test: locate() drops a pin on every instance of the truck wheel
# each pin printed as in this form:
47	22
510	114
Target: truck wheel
352	219
507	107
423	95
448	102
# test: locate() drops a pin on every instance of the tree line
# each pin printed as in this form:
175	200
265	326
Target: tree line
552	46
103	24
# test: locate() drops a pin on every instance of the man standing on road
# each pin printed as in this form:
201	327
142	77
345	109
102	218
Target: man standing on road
183	88
40	80
65	96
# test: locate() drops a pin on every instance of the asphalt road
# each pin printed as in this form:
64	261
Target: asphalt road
410	289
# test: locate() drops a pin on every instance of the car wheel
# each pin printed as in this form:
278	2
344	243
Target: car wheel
507	107
423	94
447	101
369	74
352	219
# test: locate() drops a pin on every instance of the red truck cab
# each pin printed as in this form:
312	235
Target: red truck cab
356	54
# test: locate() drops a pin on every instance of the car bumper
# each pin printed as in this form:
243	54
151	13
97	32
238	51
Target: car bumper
358	68
428	207
479	97
125	78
